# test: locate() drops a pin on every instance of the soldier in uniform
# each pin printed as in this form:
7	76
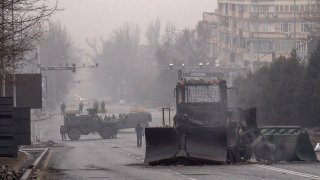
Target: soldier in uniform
63	132
63	108
243	128
80	107
139	131
96	106
103	107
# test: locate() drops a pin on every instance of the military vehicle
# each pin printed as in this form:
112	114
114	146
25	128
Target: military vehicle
130	120
206	130
77	125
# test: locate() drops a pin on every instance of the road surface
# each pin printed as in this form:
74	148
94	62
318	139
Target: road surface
94	158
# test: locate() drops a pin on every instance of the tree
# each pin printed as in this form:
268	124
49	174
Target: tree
276	91
120	55
204	37
20	27
56	49
153	33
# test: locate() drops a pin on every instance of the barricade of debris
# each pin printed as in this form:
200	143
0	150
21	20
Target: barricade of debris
314	134
8	173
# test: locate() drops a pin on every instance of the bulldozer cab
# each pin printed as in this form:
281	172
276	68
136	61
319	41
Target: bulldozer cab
204	102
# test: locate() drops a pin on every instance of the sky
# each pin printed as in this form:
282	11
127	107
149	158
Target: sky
94	18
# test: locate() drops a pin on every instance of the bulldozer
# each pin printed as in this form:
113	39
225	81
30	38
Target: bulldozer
206	130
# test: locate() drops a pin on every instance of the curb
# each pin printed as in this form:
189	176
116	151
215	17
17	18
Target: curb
42	119
29	172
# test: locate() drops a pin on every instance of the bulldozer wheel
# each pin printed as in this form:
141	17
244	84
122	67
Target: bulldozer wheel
106	132
74	134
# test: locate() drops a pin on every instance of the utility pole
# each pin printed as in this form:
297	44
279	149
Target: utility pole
294	26
258	24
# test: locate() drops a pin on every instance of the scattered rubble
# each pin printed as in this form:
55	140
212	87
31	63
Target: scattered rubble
8	173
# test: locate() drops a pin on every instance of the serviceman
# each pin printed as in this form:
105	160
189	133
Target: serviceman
139	131
115	131
243	128
80	107
63	108
63	132
96	107
103	107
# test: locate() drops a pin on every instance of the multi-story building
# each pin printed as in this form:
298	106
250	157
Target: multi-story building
254	32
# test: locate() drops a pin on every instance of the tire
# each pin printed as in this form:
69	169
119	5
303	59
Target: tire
74	134
106	132
85	130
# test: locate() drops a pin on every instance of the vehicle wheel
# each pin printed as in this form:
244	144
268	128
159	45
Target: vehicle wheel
85	130
74	134
106	132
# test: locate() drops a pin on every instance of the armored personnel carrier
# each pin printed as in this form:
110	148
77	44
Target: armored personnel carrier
77	125
130	120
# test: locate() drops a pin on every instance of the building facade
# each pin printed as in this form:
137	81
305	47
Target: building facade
251	33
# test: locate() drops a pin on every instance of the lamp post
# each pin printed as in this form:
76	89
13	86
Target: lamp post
294	25
186	44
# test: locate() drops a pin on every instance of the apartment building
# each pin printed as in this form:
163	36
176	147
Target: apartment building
251	33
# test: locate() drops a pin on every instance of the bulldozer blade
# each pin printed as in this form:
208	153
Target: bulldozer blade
200	144
207	144
161	144
290	144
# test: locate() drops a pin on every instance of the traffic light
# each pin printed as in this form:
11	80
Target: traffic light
74	68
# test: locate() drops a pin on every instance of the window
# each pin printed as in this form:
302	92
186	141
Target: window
265	27
261	8
233	7
291	8
307	8
301	46
276	7
286	8
264	8
305	27
240	8
281	8
196	94
285	27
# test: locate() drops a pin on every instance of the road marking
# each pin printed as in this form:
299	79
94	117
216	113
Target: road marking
288	171
192	179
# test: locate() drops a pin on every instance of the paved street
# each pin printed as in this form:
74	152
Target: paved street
94	158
